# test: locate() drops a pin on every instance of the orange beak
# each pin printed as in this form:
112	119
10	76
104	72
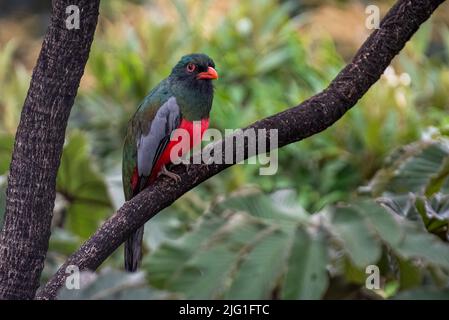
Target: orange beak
210	74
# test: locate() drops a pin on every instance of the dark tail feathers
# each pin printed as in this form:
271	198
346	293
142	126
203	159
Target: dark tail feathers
133	250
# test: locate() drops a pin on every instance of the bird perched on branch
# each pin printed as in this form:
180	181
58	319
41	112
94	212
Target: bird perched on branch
175	103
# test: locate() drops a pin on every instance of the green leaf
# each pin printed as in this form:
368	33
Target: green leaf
407	238
412	169
85	216
410	275
436	181
356	235
434	212
167	262
264	262
6	147
353	274
111	285
306	276
418	243
273	60
83	187
383	222
63	241
282	205
2	203
415	173
423	294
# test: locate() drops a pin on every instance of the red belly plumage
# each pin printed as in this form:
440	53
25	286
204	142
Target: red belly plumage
164	159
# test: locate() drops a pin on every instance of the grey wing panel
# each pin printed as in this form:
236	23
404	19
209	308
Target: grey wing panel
151	144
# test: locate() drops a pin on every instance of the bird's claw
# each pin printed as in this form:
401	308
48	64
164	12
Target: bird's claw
169	174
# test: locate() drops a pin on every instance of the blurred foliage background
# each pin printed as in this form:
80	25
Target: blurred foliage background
370	190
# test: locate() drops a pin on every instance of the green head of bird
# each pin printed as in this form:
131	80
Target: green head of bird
195	67
191	82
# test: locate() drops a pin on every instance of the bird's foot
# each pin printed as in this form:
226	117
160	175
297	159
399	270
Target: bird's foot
164	171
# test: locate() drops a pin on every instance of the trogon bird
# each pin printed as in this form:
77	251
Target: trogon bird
176	102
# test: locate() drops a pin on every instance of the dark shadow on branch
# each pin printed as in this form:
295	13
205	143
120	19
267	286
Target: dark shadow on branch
310	117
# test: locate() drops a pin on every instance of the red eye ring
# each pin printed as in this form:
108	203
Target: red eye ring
191	67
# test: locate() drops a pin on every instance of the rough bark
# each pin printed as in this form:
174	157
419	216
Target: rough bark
38	148
310	117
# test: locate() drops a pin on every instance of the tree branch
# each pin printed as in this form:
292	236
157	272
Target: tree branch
38	148
310	117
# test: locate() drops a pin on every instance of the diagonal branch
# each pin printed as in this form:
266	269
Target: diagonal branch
308	118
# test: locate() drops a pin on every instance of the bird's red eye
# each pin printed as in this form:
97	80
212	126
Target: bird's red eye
191	67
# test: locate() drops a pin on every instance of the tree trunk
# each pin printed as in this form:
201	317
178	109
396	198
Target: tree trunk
38	148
